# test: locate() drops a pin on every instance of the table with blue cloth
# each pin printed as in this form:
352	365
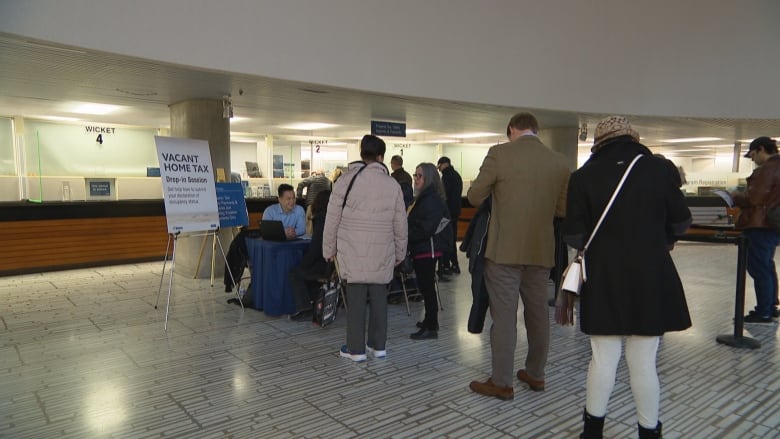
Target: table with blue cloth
270	262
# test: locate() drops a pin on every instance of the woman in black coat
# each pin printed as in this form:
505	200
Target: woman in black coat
632	288
425	244
304	278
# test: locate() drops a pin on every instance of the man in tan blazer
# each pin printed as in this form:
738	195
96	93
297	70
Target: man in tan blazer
528	182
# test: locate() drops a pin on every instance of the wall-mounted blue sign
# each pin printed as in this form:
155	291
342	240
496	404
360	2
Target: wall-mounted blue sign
232	205
152	171
393	129
99	188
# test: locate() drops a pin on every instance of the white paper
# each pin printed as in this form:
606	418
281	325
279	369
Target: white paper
726	197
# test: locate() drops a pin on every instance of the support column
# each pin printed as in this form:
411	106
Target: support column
202	119
562	140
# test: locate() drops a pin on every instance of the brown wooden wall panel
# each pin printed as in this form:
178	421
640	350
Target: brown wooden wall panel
254	220
466	213
38	245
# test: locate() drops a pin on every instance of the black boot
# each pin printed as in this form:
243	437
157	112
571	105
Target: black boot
593	427
650	433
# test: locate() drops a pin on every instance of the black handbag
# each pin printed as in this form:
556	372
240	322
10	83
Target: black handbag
407	265
327	304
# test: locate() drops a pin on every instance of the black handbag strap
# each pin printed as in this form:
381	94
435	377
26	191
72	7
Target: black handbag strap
351	182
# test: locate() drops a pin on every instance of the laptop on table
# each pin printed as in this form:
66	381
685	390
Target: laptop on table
273	231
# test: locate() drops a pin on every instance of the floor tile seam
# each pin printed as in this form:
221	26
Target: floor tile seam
477	420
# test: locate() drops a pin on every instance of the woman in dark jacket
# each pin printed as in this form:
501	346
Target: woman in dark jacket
632	290
304	278
425	245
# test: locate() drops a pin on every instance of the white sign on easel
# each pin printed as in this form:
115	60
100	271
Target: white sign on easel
190	198
188	184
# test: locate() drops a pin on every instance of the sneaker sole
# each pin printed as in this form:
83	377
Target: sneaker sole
375	353
354	357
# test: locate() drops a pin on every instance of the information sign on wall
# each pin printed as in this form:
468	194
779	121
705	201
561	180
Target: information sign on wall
99	188
188	184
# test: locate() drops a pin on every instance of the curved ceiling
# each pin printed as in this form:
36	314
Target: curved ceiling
43	80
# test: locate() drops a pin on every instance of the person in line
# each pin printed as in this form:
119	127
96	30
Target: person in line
453	190
528	183
761	193
633	292
304	278
366	232
317	182
290	214
425	244
403	178
313	185
337	172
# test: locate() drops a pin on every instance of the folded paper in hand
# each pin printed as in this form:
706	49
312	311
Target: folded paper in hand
726	197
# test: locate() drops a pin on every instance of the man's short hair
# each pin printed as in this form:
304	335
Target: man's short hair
397	160
523	121
284	187
444	159
372	147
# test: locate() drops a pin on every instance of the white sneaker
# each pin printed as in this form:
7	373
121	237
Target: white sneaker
376	353
345	353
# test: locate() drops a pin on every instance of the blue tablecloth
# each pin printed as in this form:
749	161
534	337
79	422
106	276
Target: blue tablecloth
271	261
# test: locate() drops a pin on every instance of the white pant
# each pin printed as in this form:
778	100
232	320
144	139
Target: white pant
640	357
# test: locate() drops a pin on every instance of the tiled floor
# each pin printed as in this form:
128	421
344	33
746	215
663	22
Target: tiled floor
83	354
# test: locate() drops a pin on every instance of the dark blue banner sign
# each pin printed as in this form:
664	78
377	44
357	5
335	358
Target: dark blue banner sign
393	129
99	188
232	205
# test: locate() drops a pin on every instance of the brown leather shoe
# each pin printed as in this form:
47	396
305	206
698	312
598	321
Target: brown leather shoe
489	389
535	385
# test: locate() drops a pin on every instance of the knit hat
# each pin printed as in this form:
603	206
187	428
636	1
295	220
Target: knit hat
611	127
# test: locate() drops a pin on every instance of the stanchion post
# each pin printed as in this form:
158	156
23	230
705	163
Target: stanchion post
737	340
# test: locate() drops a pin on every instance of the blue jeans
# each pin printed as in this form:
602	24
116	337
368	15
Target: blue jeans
761	267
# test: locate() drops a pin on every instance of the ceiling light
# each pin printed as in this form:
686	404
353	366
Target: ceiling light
692	139
441	141
241	139
236	119
309	126
415	131
473	135
57	118
92	108
723	145
584	145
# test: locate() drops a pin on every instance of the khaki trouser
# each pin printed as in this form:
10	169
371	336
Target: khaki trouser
506	284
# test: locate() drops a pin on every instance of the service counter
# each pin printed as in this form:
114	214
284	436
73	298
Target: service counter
53	235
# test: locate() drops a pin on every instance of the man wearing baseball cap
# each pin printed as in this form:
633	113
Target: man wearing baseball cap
761	193
453	190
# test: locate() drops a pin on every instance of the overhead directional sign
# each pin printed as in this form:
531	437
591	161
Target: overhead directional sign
393	129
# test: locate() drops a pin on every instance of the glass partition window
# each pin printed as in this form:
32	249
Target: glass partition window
76	150
7	163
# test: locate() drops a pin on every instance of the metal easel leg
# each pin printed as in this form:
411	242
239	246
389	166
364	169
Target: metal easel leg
162	276
170	285
200	256
214	239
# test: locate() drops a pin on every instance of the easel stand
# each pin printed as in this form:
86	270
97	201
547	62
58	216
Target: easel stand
173	237
214	240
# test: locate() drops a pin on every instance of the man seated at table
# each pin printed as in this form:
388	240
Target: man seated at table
290	214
